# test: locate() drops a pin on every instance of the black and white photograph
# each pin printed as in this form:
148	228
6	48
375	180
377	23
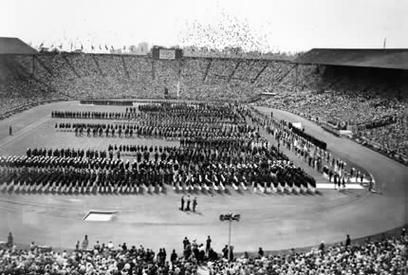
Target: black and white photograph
204	137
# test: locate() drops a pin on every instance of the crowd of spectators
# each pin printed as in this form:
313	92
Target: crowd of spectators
94	260
389	139
344	97
17	92
352	107
371	106
89	76
86	76
385	255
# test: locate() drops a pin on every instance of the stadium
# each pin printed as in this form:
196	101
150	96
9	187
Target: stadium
109	161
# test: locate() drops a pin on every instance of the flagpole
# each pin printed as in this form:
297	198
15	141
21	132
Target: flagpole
230	218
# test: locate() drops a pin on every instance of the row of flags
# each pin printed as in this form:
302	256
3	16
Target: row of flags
91	48
145	49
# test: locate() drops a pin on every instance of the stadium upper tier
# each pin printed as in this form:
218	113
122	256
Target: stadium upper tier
362	97
24	78
117	76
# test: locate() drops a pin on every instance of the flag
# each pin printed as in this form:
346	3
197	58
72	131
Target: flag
230	217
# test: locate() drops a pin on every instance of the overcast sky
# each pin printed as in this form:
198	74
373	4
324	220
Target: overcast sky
286	25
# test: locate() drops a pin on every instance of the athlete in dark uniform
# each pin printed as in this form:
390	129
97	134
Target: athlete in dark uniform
182	203
188	203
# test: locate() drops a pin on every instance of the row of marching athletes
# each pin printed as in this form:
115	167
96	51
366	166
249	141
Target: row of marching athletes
333	168
188	168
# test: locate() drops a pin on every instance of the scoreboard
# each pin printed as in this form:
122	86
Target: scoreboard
166	54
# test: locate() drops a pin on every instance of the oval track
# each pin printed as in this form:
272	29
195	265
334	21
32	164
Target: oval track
271	221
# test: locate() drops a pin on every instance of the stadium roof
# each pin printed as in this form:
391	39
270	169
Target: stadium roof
11	45
373	58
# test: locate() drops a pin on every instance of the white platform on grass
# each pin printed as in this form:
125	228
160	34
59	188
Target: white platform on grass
99	216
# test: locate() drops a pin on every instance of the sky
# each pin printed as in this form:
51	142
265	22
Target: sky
277	25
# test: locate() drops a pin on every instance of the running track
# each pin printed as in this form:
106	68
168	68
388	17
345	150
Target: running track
270	221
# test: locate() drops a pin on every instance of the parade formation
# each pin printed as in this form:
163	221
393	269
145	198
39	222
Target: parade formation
218	149
161	121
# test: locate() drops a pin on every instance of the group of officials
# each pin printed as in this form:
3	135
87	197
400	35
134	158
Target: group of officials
185	204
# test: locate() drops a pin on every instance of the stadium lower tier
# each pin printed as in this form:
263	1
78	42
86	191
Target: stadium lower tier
387	255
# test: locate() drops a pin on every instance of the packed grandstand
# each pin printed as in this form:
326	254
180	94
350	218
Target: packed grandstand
371	102
220	147
383	255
